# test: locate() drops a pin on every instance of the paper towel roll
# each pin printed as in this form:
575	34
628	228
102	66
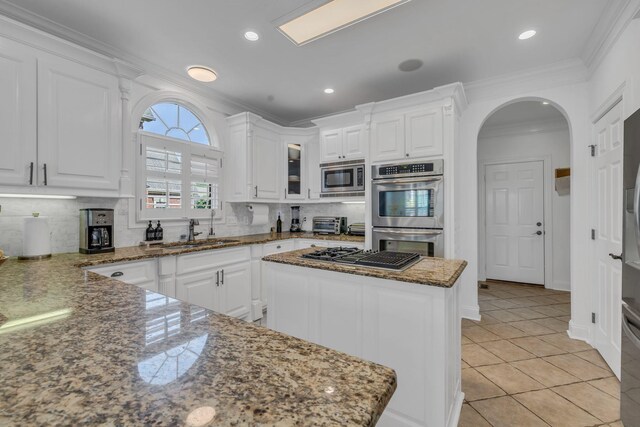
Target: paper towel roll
36	237
260	214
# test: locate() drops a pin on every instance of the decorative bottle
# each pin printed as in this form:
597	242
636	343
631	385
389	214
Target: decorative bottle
150	234
159	232
279	225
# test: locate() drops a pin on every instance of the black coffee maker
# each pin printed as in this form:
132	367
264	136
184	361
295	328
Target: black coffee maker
96	231
296	227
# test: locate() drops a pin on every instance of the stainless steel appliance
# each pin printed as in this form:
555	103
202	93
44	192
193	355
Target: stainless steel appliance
408	207
342	179
387	260
296	227
356	229
630	343
426	242
96	231
329	224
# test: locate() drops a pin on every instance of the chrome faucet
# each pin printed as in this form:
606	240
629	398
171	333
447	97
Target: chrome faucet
192	233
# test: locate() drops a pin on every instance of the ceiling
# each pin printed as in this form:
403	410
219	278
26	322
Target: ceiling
457	40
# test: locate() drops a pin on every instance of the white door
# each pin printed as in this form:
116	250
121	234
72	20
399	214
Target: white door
331	145
608	225
17	115
514	222
78	126
267	163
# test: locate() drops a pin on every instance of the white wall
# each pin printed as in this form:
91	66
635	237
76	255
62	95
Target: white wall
530	142
564	88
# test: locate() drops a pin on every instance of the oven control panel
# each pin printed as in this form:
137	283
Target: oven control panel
409	169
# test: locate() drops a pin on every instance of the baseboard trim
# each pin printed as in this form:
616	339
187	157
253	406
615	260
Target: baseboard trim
470	312
457	409
560	286
579	332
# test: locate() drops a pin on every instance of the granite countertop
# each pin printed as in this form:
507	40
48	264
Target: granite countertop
99	351
428	271
135	253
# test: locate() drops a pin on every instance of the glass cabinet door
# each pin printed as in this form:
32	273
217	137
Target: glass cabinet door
294	170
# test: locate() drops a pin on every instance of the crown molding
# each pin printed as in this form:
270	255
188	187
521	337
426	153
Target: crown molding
607	31
567	72
60	34
524	128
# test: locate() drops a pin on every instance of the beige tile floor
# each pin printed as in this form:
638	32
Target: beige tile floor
520	368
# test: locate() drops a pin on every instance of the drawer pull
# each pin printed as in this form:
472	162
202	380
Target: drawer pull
117	274
313	245
278	247
218	278
222	277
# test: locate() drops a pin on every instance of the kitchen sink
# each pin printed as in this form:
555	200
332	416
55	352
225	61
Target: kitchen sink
210	242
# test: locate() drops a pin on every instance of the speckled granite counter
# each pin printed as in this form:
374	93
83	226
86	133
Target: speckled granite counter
428	271
135	253
99	351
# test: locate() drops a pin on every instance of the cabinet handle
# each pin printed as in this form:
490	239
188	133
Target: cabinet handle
256	191
407	154
31	174
45	174
217	278
117	274
308	193
285	192
222	277
313	245
278	247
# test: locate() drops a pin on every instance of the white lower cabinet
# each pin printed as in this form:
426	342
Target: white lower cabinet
219	280
141	273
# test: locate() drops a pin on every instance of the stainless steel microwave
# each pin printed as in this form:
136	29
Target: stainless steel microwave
342	179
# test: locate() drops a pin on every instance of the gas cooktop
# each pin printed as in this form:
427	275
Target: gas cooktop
349	255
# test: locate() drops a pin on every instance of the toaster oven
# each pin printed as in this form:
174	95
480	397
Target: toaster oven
329	224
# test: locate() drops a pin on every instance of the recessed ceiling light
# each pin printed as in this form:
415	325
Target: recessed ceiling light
545	103
202	74
251	36
329	90
527	34
332	16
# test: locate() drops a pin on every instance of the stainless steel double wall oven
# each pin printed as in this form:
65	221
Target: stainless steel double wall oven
408	207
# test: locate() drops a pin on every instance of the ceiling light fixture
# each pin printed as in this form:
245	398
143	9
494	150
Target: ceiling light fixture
202	74
252	36
329	90
545	103
527	34
331	17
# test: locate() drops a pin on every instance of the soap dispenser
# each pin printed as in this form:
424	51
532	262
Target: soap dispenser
150	234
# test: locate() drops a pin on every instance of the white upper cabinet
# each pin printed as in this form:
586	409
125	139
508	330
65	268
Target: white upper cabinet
387	140
412	135
342	144
423	133
267	164
78	125
18	113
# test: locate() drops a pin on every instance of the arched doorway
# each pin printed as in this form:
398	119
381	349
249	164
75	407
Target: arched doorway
523	210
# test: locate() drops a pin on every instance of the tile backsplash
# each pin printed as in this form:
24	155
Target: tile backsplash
63	220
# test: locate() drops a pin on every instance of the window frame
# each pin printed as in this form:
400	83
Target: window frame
187	150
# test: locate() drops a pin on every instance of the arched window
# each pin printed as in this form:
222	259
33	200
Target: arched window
179	171
175	121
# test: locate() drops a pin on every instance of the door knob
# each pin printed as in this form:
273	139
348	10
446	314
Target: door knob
538	233
539	224
619	257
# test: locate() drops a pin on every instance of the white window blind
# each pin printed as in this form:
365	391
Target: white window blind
177	179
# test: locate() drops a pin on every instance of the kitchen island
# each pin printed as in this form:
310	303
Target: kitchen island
408	320
82	349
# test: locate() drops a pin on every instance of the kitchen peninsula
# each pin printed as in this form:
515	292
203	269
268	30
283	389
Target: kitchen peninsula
79	348
408	320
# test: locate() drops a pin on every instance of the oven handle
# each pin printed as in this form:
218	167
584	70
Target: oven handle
422	232
407	180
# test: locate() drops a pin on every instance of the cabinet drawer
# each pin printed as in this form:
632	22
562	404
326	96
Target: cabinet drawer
204	260
134	273
277	247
